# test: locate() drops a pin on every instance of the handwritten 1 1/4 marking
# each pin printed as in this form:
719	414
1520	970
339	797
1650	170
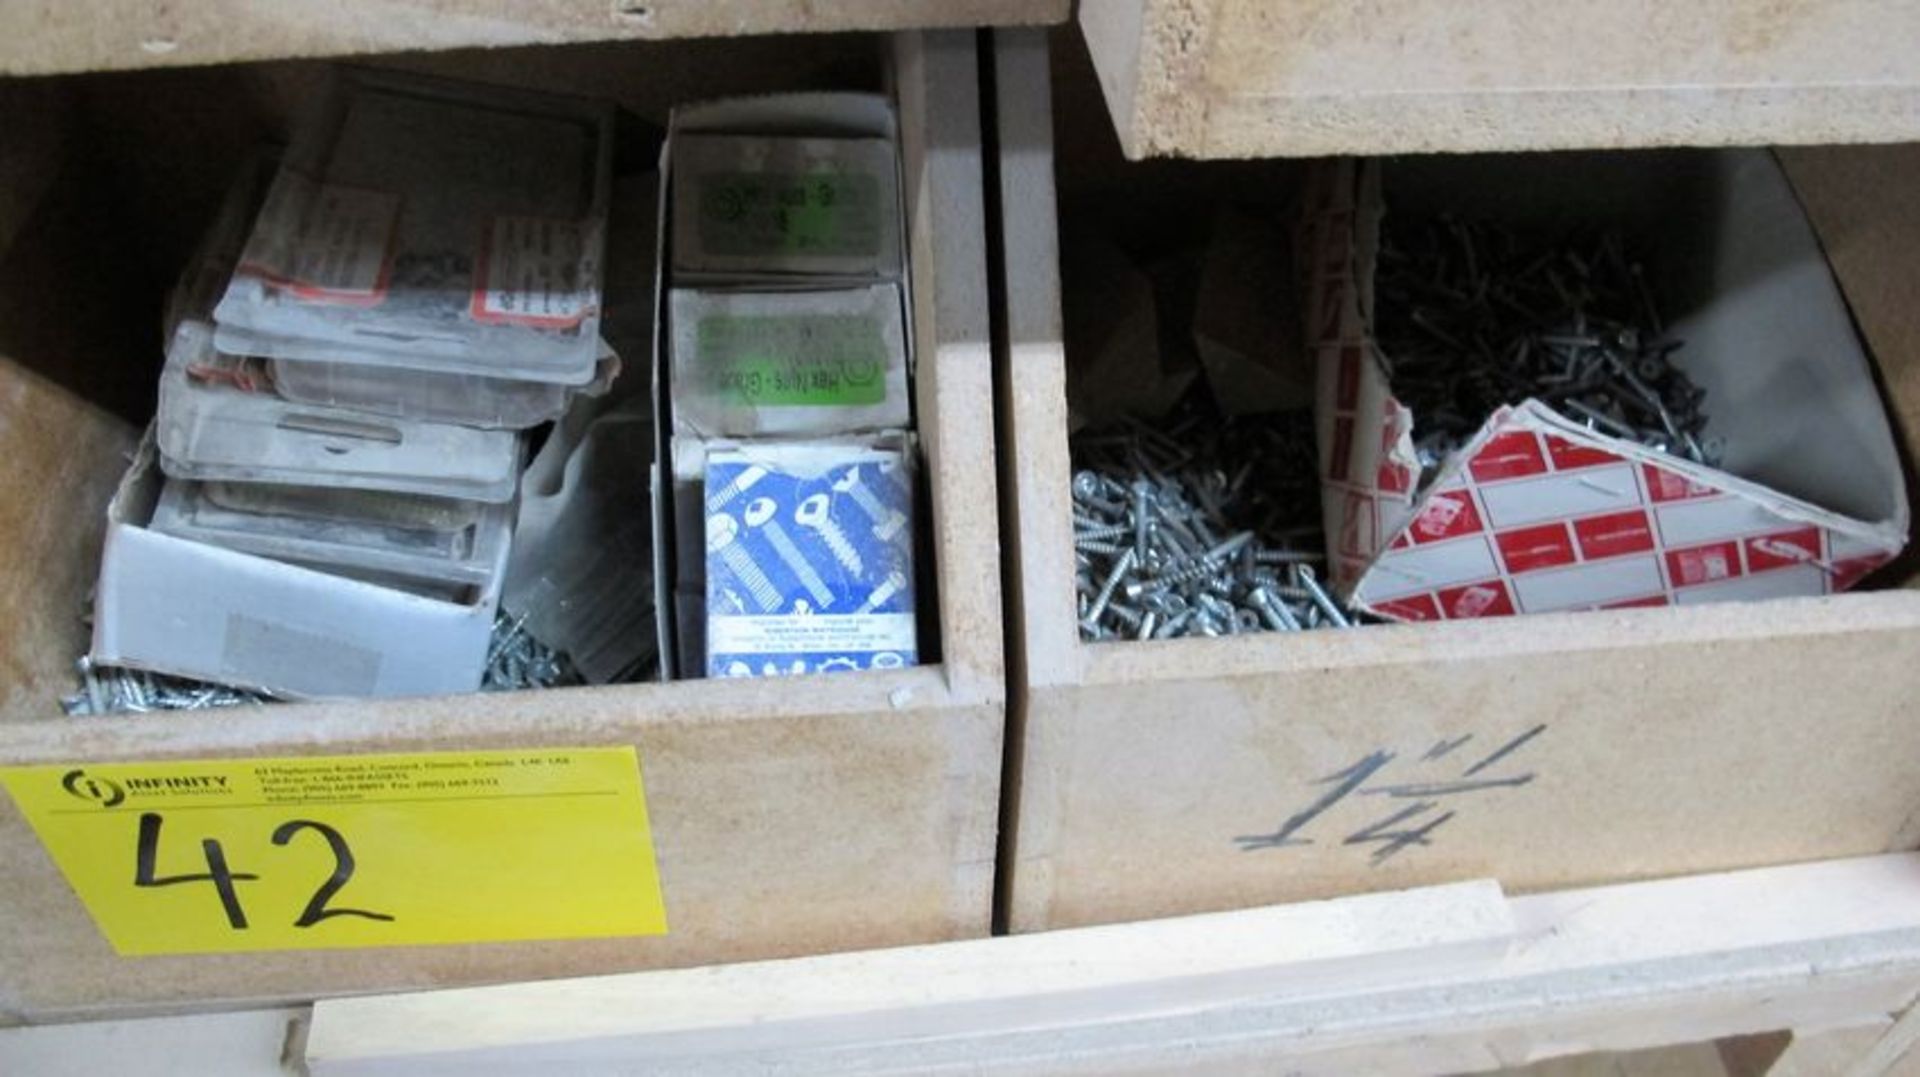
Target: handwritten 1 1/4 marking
1354	778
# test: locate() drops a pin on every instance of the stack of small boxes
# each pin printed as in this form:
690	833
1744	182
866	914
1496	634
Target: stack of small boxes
351	359
786	387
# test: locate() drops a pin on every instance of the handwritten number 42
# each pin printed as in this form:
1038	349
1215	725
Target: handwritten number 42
147	851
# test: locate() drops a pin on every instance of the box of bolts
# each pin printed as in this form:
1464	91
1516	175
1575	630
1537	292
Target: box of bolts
351	536
783	506
1586	381
809	557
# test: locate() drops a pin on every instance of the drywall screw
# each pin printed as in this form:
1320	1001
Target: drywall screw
813	513
1142	505
887	520
760	514
1321	599
1107	587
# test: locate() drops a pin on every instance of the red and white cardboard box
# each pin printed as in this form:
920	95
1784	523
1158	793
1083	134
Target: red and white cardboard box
1536	512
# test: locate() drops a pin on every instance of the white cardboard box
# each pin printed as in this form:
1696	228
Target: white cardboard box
788	363
679	466
1538	513
186	608
793	208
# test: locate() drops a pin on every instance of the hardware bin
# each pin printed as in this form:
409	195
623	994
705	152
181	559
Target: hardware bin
789	816
1651	742
1259	78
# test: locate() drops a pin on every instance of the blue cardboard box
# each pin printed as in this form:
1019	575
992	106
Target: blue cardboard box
809	558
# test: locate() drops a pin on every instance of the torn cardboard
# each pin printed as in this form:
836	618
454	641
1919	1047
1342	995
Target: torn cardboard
1539	513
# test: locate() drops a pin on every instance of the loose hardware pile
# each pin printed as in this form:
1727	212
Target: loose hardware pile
1471	317
1204	528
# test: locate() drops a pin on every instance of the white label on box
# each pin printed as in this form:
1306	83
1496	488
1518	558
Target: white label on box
1553	497
1779	583
1589	585
1423	568
530	274
324	242
260	651
809	634
1687	522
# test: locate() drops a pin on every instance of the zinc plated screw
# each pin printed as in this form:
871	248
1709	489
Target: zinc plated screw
1163	520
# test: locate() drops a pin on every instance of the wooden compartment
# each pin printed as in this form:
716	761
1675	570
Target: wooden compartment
1260	78
1651	742
789	817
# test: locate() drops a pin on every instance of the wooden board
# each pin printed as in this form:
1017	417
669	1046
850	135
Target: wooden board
789	817
1156	779
1255	78
110	35
1499	982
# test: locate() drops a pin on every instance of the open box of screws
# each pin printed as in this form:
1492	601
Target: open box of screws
1199	527
515	662
1472	317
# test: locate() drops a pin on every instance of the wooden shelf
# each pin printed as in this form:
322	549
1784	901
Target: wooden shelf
1449	979
1254	78
111	35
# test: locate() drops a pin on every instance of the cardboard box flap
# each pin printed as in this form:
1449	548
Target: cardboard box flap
1789	387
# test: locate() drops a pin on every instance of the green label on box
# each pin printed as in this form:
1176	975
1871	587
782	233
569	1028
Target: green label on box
797	360
823	213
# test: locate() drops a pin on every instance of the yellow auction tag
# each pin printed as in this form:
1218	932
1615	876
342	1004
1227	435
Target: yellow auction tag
218	855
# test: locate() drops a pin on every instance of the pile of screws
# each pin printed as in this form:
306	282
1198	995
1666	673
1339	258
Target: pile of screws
1208	527
515	662
1470	318
111	690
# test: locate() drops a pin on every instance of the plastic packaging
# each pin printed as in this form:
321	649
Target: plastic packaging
425	396
433	226
372	507
750	364
581	572
212	431
354	538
